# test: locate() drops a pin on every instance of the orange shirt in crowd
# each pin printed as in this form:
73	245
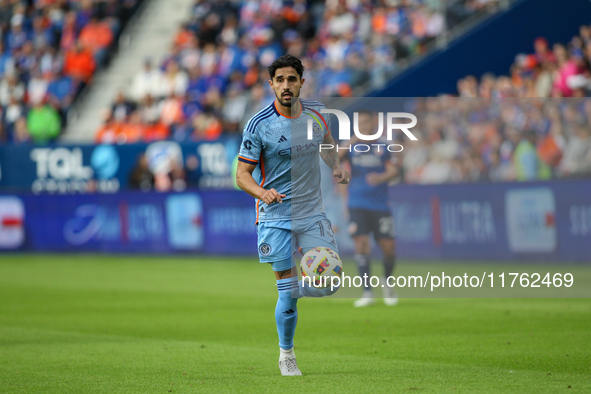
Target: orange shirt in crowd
378	22
214	131
107	134
291	15
183	38
96	36
79	64
119	133
130	133
156	132
549	151
207	128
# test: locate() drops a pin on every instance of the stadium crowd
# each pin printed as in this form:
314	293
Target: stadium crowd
49	50
532	124
215	76
483	139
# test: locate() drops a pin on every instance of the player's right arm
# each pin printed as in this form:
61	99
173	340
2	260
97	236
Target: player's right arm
248	159
247	183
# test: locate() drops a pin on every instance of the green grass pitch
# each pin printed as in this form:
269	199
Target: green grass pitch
112	324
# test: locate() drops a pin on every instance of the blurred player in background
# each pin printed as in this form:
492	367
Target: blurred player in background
290	213
368	205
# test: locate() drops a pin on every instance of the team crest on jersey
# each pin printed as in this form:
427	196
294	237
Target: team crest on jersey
265	249
316	129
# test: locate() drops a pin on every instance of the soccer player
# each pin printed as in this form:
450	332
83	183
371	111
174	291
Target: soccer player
368	205
290	213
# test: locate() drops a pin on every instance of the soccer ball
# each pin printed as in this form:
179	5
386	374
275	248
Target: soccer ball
319	265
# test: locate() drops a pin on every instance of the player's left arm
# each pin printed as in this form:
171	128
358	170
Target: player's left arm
331	158
377	178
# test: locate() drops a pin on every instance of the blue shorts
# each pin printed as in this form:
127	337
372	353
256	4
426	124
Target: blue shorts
279	240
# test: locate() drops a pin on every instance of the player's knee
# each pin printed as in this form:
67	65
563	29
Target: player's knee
361	243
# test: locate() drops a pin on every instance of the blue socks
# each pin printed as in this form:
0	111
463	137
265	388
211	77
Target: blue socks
286	313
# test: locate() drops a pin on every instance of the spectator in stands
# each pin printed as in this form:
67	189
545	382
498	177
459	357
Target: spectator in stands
43	35
37	88
122	108
11	88
184	36
61	91
25	60
132	130
438	170
96	37
568	66
21	134
499	171
174	81
6	60
542	53
109	130
155	131
171	112
14	111
527	162
234	109
146	82
206	126
576	161
5	14
17	36
79	64
150	110
69	32
43	123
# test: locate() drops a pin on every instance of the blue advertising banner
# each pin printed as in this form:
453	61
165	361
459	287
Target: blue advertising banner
80	169
220	222
537	221
495	221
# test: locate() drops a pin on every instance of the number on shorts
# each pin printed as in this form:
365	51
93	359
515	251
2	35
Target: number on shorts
387	226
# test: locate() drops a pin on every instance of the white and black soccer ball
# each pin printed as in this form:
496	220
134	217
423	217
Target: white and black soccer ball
318	265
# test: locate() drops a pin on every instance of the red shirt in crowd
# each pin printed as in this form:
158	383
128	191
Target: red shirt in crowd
79	64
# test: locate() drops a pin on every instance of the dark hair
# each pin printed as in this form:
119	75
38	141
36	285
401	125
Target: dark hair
286	61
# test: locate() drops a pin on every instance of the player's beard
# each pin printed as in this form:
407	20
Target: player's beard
289	103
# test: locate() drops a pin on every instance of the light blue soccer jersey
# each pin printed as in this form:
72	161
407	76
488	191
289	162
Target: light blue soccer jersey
288	161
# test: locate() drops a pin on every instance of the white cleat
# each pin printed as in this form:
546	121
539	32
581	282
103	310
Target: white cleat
390	297
365	300
289	367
